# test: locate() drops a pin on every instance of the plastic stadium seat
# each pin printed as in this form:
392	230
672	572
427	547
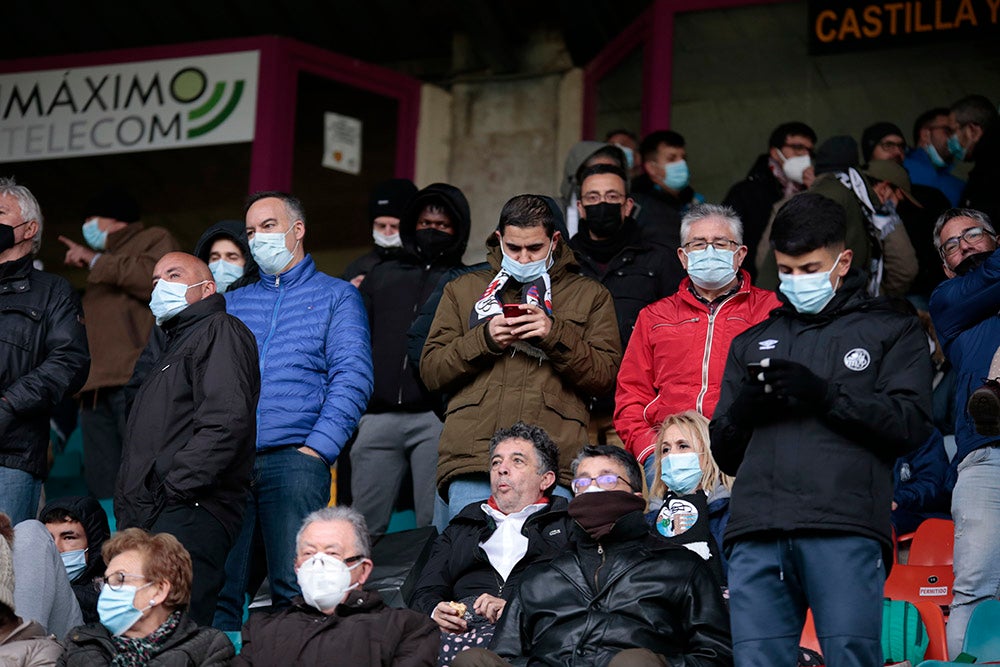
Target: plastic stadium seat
809	638
982	636
933	619
933	543
921	583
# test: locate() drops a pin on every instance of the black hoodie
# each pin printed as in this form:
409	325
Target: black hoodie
235	231
91	515
395	290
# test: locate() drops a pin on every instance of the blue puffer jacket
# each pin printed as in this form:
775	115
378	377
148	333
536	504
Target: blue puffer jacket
315	357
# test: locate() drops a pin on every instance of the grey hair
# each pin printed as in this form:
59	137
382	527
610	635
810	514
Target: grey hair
617	454
953	213
545	448
30	210
700	212
348	514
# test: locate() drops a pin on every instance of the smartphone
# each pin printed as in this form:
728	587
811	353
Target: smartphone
512	310
754	368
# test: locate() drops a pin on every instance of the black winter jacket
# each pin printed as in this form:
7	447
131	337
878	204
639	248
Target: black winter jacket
826	468
88	511
92	646
458	567
652	594
43	357
362	631
191	432
394	291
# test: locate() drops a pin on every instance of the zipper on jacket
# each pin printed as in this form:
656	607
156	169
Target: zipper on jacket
597	572
267	344
707	353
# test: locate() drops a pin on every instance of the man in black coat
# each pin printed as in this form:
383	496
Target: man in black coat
635	264
190	438
399	432
817	403
483	552
619	594
43	352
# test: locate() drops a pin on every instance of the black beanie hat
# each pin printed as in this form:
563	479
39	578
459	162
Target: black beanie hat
390	198
876	133
836	154
113	202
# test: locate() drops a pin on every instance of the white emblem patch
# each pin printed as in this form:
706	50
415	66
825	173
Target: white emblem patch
766	344
857	359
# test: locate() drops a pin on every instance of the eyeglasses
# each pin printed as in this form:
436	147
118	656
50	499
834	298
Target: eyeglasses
701	244
972	235
346	561
887	145
115	580
606	482
591	198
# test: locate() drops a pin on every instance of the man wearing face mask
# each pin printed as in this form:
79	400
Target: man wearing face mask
629	145
817	402
225	249
620	595
975	137
316	378
677	353
785	170
528	339
634	264
335	621
79	526
666	177
43	351
385	207
929	162
189	438
119	256
399	432
964	310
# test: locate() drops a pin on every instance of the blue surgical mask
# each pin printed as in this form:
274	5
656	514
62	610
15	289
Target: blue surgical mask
629	155
270	251
935	157
116	609
75	562
955	147
677	175
94	236
681	472
225	274
525	273
809	293
169	299
711	268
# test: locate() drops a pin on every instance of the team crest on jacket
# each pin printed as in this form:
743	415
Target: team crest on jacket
768	344
857	359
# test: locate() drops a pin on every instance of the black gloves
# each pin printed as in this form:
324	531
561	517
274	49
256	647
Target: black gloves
794	384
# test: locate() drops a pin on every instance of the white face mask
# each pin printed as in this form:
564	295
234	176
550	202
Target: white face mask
270	251
795	167
387	240
169	299
325	581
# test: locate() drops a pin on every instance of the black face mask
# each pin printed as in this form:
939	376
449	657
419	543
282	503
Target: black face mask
432	242
7	236
972	262
603	219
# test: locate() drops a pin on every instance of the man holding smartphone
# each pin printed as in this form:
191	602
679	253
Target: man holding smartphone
528	339
817	402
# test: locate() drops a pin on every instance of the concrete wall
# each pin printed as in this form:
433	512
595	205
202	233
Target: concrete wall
739	73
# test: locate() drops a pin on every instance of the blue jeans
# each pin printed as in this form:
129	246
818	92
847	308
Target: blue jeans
19	493
975	507
470	488
285	487
773	581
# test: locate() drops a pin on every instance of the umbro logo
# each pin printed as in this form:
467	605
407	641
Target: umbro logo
768	344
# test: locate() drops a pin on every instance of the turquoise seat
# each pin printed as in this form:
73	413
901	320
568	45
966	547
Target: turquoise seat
982	636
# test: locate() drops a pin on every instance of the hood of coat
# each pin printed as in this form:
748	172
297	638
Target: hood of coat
454	202
577	155
91	515
232	230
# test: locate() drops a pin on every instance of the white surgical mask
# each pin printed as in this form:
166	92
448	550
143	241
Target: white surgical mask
525	273
169	299
325	581
225	274
710	268
795	167
270	251
387	240
809	293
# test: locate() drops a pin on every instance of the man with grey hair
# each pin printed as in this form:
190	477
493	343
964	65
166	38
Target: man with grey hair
335	620
678	349
477	562
964	309
43	352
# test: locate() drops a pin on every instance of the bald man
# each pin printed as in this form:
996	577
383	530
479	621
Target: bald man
189	442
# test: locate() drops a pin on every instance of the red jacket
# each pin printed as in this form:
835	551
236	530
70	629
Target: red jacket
675	358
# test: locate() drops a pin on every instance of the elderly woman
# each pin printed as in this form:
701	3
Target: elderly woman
144	591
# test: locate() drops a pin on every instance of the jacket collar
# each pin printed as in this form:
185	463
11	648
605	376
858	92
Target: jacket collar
196	312
16	270
293	277
358	602
685	290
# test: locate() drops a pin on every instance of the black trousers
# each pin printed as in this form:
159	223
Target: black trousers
208	543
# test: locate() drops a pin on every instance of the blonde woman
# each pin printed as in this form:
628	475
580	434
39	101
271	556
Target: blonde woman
689	500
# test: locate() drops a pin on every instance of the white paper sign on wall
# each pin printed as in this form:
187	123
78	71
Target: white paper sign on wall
342	143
